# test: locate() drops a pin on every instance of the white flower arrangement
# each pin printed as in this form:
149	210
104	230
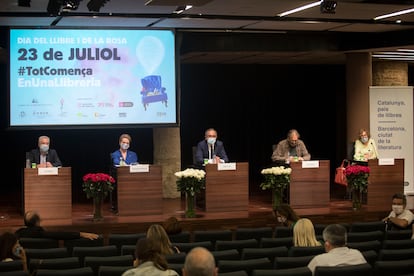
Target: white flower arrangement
190	181
276	178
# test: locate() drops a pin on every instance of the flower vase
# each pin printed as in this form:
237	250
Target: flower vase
97	208
190	211
356	199
276	198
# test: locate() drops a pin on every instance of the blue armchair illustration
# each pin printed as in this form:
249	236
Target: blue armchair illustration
152	91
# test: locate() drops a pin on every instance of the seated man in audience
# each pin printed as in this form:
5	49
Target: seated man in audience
199	262
400	217
33	229
337	253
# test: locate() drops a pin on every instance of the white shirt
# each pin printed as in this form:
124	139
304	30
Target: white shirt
406	214
339	256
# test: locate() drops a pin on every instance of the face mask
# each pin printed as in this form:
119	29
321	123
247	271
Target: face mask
44	148
124	146
281	219
398	209
211	140
364	139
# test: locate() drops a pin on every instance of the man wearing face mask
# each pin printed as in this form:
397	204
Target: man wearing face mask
123	156
400	217
364	147
291	149
210	150
44	156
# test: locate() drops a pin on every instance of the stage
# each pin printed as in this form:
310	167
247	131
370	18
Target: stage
259	214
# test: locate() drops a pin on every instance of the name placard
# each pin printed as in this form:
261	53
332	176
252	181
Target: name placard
48	171
386	161
310	164
226	166
139	168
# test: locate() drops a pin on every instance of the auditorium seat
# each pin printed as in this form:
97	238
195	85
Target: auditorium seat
212	235
268	252
82	271
246	265
124	239
55	263
395	254
366	245
15	273
276	242
398	244
354	270
229	254
95	262
128	249
297	271
46	253
177	267
176	258
187	246
404	234
38	243
394	268
253	233
82	242
11	266
367	226
236	244
366	236
291	262
98	251
283	231
234	273
371	256
299	251
184	236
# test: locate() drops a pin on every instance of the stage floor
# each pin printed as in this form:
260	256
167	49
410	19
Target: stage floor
259	214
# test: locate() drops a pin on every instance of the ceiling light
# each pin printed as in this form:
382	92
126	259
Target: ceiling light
305	7
23	3
393	14
96	5
70	5
328	6
181	9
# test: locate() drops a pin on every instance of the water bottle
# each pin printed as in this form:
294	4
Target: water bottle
121	161
28	164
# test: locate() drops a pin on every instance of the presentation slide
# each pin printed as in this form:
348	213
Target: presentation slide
75	77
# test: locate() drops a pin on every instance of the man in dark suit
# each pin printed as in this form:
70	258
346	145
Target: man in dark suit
210	150
43	156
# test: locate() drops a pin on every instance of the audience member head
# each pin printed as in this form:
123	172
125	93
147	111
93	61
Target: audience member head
9	245
304	233
285	215
31	219
172	226
157	234
199	262
293	137
399	202
334	235
147	251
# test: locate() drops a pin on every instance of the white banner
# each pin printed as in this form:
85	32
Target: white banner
391	126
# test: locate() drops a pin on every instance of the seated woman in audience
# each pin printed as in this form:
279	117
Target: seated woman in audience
150	261
304	233
157	233
285	215
11	250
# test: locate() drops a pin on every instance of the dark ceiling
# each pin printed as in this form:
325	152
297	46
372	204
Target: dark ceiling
241	31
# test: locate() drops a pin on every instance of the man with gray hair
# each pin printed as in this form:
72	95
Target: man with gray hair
199	262
337	253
